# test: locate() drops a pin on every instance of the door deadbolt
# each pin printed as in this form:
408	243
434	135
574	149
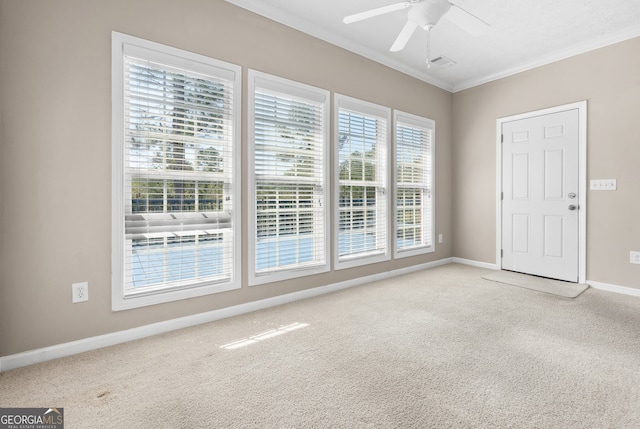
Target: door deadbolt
572	195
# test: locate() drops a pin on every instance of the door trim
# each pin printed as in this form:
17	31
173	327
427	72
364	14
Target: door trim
582	173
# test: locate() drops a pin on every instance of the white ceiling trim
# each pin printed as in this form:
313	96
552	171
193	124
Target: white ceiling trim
260	8
602	42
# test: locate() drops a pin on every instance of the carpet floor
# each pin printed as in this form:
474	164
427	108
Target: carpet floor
441	348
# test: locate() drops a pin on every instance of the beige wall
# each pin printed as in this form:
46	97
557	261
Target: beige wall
55	143
55	168
609	79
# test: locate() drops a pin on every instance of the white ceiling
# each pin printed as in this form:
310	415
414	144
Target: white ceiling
524	34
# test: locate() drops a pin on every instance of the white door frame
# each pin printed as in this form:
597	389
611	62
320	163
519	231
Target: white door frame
582	171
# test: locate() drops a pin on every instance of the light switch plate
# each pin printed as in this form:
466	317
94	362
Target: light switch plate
603	185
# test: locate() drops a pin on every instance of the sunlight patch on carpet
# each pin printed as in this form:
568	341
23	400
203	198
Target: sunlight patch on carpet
263	336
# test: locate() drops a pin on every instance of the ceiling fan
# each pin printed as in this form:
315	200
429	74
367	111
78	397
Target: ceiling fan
424	14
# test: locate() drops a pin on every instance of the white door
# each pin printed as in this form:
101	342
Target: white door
540	185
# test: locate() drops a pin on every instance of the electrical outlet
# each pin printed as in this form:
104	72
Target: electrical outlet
439	238
79	292
634	257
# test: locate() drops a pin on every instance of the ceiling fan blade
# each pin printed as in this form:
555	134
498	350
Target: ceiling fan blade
375	12
404	36
466	21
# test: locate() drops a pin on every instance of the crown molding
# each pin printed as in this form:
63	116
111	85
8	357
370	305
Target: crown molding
304	26
560	55
261	8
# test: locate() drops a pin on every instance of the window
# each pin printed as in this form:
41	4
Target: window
362	136
175	174
414	137
288	146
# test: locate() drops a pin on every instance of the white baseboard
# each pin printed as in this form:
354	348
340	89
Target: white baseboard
614	288
71	348
476	263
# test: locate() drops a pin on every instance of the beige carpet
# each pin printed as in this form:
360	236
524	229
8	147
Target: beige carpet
442	348
540	284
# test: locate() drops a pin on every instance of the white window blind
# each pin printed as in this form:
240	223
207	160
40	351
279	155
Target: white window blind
414	184
178	166
363	134
288	137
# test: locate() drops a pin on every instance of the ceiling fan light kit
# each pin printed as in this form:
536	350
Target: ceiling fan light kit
427	13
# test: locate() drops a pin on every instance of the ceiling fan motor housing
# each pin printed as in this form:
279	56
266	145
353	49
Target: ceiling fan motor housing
428	12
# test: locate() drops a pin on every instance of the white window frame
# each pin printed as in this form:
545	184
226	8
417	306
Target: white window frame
384	210
419	122
257	79
122	45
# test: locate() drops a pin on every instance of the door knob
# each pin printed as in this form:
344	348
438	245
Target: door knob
572	207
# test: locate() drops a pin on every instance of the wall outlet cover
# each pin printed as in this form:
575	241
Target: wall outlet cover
79	292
